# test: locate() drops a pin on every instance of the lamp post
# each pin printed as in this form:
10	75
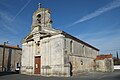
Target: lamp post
3	55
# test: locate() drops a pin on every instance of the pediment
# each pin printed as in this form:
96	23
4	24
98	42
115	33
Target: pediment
29	37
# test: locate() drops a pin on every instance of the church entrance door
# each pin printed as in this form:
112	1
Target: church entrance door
37	65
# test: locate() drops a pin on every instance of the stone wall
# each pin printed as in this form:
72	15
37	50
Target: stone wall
51	52
1	57
11	58
81	56
28	52
52	55
105	65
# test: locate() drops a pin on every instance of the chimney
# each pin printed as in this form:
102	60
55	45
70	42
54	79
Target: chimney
17	46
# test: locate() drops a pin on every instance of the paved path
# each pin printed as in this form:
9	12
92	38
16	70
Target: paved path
91	76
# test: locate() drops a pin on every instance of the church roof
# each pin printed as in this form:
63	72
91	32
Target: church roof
78	40
102	57
8	46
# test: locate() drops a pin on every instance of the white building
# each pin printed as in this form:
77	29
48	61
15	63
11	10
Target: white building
47	51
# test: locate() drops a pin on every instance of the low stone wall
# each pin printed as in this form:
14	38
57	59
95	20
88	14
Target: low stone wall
117	67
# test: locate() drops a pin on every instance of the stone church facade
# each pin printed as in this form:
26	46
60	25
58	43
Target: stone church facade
47	51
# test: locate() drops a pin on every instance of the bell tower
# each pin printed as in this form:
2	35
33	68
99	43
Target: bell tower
41	19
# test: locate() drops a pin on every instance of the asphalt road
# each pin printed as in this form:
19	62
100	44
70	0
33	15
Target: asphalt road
91	76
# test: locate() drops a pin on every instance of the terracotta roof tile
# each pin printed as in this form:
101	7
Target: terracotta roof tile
101	57
8	46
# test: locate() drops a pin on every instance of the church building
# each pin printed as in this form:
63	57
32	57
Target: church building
50	52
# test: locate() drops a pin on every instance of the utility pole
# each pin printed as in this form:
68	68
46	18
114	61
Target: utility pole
117	55
3	55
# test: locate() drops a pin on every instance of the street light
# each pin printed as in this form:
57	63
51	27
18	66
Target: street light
3	55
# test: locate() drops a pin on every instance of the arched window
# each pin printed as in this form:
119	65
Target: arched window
71	44
39	16
65	43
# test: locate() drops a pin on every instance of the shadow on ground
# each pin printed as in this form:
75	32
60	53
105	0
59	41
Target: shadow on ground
7	73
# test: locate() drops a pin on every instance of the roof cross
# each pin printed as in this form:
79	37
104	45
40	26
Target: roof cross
39	5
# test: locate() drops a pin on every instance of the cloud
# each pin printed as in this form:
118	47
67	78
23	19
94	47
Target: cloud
2	40
8	29
11	40
108	7
21	10
103	40
5	19
4	16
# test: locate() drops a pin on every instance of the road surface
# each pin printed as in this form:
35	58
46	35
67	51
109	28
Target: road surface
91	76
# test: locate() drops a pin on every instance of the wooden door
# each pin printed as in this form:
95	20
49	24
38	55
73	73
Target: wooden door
37	65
